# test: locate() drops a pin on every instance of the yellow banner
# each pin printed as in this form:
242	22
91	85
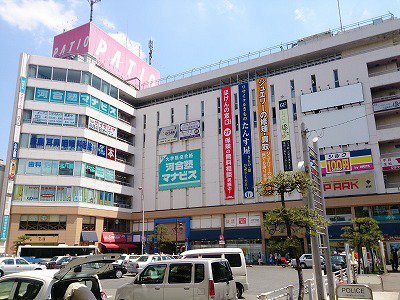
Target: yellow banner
264	130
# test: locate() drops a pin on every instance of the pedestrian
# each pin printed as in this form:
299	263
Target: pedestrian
276	258
396	260
271	259
287	256
392	259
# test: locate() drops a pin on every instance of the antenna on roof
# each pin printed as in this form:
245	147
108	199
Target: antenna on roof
151	46
92	2
340	16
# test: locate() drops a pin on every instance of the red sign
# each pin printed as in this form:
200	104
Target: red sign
227	144
221	237
110	151
113	237
391	164
242	221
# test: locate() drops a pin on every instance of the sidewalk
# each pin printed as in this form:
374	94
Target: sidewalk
391	282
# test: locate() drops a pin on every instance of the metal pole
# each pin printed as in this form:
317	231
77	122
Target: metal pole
325	237
383	256
176	236
348	262
142	199
340	16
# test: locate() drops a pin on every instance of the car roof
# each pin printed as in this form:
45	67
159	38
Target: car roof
188	260
35	274
213	250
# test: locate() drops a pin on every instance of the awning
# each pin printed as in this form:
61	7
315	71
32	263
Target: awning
89	236
390	229
242	233
118	246
204	235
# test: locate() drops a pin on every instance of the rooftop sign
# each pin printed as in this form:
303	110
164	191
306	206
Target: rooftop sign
110	54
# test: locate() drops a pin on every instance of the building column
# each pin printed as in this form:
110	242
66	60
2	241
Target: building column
99	228
74	229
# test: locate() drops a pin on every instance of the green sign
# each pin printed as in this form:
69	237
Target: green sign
42	94
104	107
109	176
72	98
113	111
95	102
57	96
84	99
179	170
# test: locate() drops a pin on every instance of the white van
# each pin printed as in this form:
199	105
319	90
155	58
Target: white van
236	259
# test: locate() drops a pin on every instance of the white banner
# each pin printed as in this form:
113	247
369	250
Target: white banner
189	130
103	128
112	131
230	220
39	116
167	134
93	124
69	119
55	117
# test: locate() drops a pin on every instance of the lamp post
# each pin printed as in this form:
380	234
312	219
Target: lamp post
142	199
178	226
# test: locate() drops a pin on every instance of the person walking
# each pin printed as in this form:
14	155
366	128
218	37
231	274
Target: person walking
396	260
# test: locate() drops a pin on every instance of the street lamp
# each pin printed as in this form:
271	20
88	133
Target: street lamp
142	199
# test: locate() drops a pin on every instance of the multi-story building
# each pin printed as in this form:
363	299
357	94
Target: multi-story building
197	145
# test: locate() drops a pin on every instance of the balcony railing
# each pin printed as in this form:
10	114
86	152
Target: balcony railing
125	183
383	72
125	141
124	161
387	126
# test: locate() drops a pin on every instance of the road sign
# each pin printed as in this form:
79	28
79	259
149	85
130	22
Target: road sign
354	291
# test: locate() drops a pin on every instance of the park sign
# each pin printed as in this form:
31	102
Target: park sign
179	170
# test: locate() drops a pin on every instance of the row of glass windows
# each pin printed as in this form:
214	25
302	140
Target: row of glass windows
43	222
64	168
76	76
74	98
54	118
62	194
379	212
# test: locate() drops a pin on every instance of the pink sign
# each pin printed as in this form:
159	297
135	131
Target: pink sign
391	164
110	54
113	237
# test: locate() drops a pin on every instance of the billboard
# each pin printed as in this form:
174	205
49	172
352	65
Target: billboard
190	130
285	136
344	185
386	104
227	144
167	134
245	141
391	163
358	160
112	55
263	116
179	170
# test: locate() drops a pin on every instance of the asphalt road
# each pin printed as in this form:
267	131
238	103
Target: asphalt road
261	279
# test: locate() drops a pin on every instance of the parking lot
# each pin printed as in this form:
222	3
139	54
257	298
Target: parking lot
261	279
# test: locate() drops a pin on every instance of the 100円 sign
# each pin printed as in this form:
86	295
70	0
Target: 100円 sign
179	170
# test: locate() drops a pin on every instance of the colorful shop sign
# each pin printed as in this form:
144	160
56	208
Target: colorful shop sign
358	160
391	163
245	141
179	170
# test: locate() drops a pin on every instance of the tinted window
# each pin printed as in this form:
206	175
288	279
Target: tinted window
192	256
21	261
96	82
211	256
44	72
143	258
156	258
180	273
221	272
153	274
27	290
8	261
5	289
59	74
234	260
74	76
198	273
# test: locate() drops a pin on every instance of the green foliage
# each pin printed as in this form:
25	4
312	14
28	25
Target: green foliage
285	182
290	245
365	232
162	238
21	240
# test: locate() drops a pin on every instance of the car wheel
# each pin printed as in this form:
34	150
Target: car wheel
118	274
239	290
1	273
303	265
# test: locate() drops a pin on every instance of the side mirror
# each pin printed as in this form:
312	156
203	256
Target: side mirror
78	269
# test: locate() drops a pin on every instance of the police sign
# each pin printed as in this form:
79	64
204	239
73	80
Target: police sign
355	291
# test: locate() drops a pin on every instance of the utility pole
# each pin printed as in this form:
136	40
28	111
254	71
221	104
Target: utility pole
92	2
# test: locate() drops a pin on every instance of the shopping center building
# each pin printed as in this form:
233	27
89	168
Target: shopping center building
96	136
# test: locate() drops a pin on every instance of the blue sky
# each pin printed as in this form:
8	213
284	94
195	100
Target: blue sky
186	33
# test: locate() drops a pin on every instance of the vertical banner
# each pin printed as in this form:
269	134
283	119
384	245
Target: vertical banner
266	163
227	143
285	135
245	141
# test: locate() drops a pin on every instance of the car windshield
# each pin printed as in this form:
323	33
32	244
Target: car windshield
54	258
143	258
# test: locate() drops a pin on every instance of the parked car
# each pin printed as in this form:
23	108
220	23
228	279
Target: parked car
9	265
338	262
52	284
236	260
306	261
117	270
54	262
125	258
136	266
34	260
182	279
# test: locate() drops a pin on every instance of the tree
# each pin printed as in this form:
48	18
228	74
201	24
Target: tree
292	220
162	238
21	240
364	232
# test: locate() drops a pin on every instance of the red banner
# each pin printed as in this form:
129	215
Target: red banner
113	237
110	152
227	144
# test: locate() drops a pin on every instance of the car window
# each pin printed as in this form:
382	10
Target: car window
234	260
156	258
211	255
9	261
221	272
143	258
192	256
198	273
153	274
21	261
27	290
180	273
54	258
5	289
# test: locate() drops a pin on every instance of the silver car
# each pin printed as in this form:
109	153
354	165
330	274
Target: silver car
9	265
138	265
306	261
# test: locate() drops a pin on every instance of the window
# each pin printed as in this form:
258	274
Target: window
219	126
144	121
253	97
21	166
202	127
88	223
221	272
74	76
8	261
187	112
96	82
50	167
153	274
68	143
158	118
24	140
90	171
235	98
6	286
92	147
66	168
255	119
180	273
362	211
113	92
211	255
99	173
37	141
43	222
59	74
27	116
172	115
55	118
87	78
105	87
236	122
34	167
78	168
31	193
273	115
32	70
53	142
198	273
294	111
218	105
80	144
292	89
234	260
21	261
69	119
336	78
44	72
47	193
313	84
272	89
64	193
39	117
29	93
202	108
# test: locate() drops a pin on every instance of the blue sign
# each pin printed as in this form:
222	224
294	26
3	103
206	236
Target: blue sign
104	107
22	85
113	111
14	153
84	99
101	150
95	103
179	170
42	94
57	96
245	141
72	98
4	227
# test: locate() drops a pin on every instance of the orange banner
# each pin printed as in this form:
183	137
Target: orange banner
267	169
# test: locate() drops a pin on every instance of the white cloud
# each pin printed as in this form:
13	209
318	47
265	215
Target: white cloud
133	46
303	14
33	14
108	24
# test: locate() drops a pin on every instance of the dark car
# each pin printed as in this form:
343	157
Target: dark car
117	271
338	262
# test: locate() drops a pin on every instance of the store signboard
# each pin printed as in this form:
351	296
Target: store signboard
245	141
93	124
112	131
285	136
57	96
230	220
72	98
13	168
358	160
104	107
4	227
109	175
349	184
22	85
14	153
113	111
167	134
110	152
386	104
179	170
266	161
227	144
391	163
39	116
101	150
242	220
55	118
254	220
69	119
94	102
42	94
84	99
103	128
113	237
190	130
